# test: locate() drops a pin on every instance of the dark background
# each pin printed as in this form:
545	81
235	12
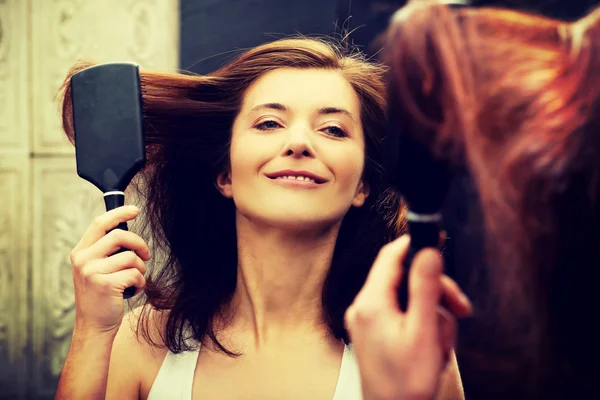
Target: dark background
211	30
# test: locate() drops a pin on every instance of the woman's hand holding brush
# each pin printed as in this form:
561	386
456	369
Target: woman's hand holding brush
100	276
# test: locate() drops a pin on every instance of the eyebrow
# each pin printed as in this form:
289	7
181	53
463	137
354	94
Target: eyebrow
272	106
321	111
334	110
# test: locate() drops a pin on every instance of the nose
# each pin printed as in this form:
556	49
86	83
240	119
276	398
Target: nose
298	143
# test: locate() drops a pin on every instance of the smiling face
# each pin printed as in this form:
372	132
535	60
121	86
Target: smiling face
297	150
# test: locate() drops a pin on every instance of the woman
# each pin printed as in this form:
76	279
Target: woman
511	102
264	189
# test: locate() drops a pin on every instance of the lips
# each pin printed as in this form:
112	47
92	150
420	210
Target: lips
297	176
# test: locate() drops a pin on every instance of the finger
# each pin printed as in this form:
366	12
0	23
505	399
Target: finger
454	299
425	289
115	263
447	329
384	278
117	282
104	223
115	240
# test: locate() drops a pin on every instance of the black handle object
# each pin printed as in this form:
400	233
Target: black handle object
108	124
112	200
424	232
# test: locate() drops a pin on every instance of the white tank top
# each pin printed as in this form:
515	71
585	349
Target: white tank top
176	375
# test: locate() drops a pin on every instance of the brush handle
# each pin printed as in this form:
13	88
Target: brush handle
424	232
114	200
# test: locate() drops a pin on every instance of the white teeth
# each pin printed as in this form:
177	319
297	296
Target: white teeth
297	178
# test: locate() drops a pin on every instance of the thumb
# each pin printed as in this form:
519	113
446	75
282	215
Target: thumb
425	290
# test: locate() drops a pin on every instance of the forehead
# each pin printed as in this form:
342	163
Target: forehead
303	88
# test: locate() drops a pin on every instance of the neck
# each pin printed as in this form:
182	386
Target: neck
280	279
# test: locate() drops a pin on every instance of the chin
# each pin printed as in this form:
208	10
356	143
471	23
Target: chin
296	221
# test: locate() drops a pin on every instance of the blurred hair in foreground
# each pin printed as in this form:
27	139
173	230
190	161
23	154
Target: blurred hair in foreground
512	101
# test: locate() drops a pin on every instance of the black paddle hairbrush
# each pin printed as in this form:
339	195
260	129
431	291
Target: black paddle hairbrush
108	129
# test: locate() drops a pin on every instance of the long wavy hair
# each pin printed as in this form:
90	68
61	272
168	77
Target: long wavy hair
511	101
188	121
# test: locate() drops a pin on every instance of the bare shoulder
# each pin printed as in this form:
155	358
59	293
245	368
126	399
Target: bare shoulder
135	361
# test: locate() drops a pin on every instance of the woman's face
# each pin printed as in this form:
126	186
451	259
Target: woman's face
297	150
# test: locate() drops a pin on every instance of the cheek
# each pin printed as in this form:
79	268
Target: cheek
349	168
246	158
238	160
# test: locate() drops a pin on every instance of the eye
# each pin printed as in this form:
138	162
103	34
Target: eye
268	125
335	131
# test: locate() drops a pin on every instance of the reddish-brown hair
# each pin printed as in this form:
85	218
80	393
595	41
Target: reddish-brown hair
515	99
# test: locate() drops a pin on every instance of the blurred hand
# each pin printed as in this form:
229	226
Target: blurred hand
401	355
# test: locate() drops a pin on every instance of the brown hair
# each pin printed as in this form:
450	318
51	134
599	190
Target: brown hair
514	99
188	122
